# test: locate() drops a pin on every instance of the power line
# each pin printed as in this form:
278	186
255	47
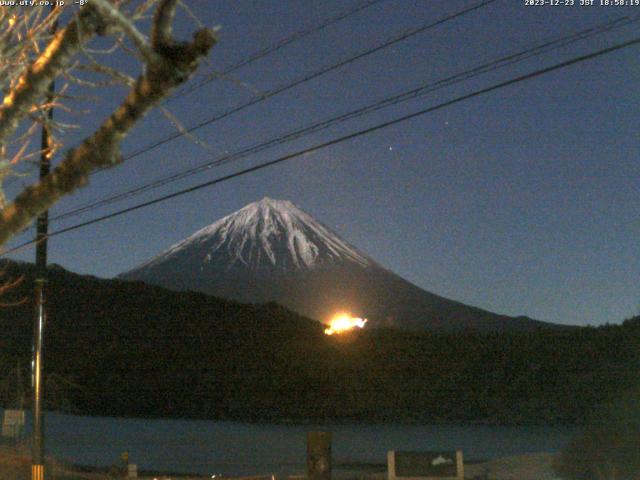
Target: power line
302	80
308	78
387	102
344	138
257	56
283	42
300	34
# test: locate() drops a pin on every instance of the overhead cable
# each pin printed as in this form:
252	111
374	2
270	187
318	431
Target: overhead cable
335	141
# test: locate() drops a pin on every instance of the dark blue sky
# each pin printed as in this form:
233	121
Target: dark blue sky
524	201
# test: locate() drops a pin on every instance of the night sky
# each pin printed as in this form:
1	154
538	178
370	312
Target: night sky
524	201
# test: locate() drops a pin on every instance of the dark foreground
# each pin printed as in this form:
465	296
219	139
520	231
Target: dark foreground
118	348
15	465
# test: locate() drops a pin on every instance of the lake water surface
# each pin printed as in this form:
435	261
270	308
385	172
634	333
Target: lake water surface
230	448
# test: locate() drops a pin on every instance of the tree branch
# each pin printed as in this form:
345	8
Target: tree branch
177	61
162	31
34	82
126	26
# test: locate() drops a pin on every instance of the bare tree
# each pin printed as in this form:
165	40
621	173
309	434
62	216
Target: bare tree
31	58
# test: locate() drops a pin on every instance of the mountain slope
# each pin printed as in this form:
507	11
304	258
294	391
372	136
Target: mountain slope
129	349
270	235
273	251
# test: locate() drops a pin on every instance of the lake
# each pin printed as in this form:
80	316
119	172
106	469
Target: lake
230	448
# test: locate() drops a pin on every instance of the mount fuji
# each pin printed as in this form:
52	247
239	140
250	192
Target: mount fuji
271	250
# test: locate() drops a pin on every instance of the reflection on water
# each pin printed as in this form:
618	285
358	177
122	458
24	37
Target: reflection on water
242	449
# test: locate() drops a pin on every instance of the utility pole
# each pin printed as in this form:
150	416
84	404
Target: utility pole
37	454
19	391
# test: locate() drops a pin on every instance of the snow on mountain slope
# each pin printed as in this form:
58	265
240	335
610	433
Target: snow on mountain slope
271	250
268	234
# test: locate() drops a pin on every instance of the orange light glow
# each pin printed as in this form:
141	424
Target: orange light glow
344	322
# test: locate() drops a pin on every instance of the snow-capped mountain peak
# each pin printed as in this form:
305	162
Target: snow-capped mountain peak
267	234
272	251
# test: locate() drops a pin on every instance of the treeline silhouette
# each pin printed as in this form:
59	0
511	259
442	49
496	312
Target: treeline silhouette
128	349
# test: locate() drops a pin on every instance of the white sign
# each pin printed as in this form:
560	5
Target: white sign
13	423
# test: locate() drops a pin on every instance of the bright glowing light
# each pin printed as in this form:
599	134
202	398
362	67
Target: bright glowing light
343	323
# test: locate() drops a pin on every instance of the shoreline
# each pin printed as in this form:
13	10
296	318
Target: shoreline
15	465
317	422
